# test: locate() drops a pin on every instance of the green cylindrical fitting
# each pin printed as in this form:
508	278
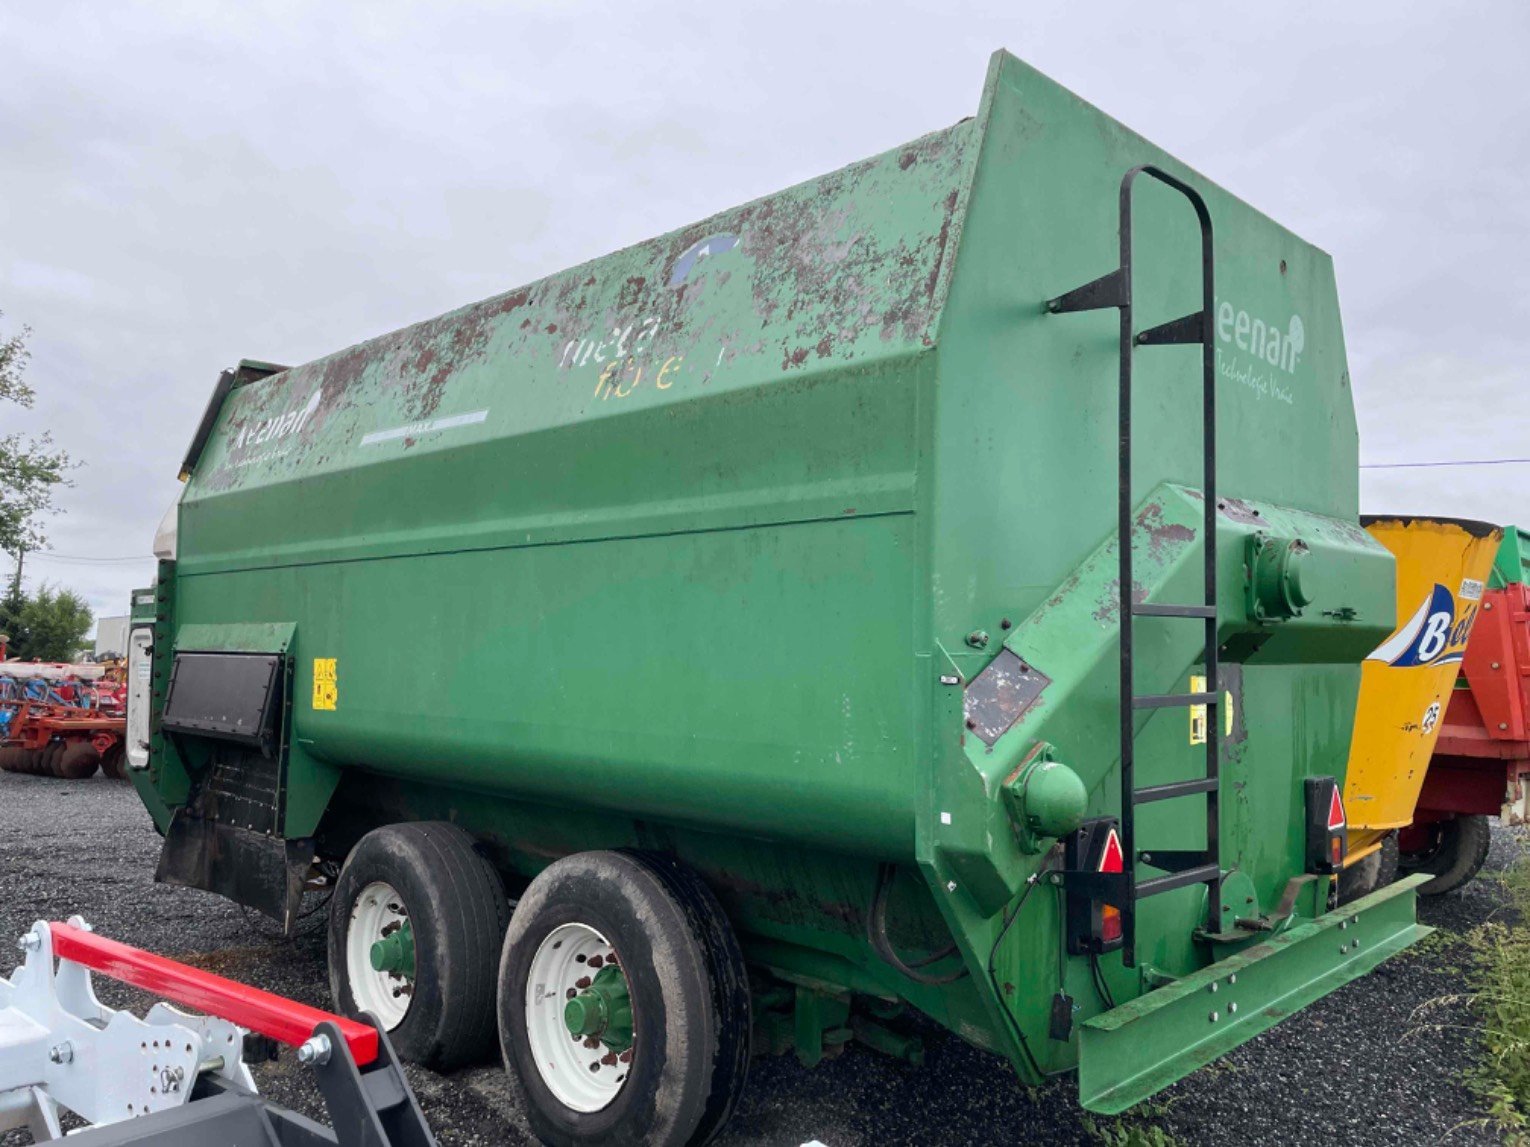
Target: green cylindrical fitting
1053	799
1277	585
394	952
585	1014
604	1010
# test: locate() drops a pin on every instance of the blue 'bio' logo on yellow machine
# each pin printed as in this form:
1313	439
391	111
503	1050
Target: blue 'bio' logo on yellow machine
1432	636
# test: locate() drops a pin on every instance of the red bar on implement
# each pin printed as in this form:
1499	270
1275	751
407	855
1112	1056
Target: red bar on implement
273	1016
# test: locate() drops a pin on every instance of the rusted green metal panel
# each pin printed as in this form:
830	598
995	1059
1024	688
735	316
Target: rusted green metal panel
704	546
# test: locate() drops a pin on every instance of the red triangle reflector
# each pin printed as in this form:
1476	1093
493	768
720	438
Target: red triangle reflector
1336	817
1111	857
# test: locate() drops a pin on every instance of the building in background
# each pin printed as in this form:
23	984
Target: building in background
111	637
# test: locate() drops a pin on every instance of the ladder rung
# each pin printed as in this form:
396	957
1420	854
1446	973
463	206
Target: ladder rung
1173	700
1176	860
1108	290
1189	328
1148	609
1149	793
1201	874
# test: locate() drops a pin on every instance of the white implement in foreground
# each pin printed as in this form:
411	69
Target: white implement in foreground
136	1079
60	1046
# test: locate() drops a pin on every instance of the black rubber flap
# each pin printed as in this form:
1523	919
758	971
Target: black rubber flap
232	696
260	871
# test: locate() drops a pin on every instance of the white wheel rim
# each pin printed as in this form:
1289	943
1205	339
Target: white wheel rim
376	913
583	1077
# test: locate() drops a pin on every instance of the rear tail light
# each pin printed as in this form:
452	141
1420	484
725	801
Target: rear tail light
1111	860
1093	925
1327	826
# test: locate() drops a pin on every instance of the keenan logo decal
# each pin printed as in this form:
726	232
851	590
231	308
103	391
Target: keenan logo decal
1432	636
1268	341
275	429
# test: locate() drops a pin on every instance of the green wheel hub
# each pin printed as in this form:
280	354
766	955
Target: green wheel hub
602	1010
395	952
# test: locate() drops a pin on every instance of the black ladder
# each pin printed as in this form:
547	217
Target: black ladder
1181	867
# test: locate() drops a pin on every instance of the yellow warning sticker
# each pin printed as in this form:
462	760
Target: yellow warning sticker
326	683
1198	713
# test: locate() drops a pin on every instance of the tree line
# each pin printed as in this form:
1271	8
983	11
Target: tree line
49	624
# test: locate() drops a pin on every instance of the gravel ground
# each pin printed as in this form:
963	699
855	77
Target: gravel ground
1359	1067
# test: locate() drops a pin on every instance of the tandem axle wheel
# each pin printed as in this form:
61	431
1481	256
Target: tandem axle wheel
414	933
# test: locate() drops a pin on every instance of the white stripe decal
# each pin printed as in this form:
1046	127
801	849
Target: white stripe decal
414	429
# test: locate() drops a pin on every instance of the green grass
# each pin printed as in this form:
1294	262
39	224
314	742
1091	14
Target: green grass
1121	1133
1500	1001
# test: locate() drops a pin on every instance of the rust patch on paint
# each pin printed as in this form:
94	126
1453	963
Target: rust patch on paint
808	278
785	895
1163	539
1107	609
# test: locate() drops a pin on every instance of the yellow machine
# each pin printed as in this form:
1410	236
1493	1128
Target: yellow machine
1405	684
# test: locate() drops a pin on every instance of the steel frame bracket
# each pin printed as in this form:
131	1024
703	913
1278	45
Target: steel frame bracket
1140	1047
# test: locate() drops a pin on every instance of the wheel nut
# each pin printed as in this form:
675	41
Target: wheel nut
315	1051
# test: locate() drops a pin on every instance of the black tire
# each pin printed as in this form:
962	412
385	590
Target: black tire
112	762
1458	849
458	913
1391	860
77	760
689	990
1376	871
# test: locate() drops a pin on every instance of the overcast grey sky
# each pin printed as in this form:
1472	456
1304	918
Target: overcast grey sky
186	184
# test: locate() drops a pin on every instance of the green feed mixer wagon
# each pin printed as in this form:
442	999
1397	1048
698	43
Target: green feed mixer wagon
935	588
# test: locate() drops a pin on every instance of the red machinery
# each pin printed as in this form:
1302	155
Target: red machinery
55	720
1481	762
62	741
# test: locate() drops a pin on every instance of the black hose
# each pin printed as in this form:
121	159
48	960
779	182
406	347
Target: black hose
876	935
1099	982
993	976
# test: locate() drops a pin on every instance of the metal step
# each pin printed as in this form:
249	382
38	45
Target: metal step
1173	700
1149	793
1202	874
1149	609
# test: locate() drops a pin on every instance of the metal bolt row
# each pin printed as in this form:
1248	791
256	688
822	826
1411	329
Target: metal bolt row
1232	1005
